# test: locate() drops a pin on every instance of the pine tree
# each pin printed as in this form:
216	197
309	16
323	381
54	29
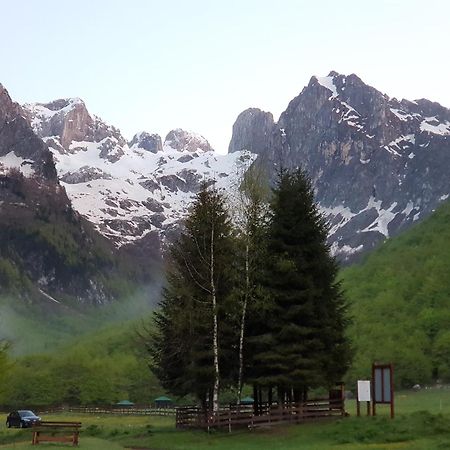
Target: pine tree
301	343
194	325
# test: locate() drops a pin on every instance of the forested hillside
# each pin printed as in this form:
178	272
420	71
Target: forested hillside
399	298
400	301
100	368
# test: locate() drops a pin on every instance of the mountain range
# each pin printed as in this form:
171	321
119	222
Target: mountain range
377	165
131	191
48	250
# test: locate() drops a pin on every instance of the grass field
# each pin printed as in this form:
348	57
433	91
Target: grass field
422	422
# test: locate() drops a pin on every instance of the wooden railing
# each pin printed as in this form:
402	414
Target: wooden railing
236	416
132	411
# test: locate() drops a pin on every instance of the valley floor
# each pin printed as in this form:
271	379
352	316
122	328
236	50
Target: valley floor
422	422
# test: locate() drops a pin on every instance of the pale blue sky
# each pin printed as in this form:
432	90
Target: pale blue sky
158	65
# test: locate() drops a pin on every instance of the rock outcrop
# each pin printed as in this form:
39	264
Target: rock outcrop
377	164
146	141
252	131
186	141
20	148
47	250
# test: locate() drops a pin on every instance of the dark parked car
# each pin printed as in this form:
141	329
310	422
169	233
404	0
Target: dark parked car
22	419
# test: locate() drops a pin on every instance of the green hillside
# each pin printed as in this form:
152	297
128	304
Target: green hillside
49	254
35	327
400	302
399	299
98	368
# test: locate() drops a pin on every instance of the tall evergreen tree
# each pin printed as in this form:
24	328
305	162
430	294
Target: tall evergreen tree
301	343
194	332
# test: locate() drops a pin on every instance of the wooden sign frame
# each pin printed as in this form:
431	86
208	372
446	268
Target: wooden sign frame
383	386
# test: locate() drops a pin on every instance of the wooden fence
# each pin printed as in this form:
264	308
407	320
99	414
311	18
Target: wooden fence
243	416
131	411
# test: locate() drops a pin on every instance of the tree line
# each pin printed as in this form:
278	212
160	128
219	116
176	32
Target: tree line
251	298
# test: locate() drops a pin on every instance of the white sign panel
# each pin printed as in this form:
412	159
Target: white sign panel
363	391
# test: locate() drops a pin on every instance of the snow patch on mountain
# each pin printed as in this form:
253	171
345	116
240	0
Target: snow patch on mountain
130	189
432	125
42	113
327	82
145	191
186	141
12	161
385	216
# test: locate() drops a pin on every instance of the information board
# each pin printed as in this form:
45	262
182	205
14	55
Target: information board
364	391
382	386
382	382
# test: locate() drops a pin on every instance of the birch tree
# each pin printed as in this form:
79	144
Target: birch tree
251	218
192	320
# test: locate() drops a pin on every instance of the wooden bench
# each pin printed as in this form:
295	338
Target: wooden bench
67	432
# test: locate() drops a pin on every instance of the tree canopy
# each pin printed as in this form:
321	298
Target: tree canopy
301	342
294	336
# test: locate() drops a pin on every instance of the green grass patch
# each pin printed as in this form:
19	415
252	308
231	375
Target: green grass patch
422	422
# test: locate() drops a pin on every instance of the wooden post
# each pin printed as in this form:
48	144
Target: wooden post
391	380
374	411
358	408
255	400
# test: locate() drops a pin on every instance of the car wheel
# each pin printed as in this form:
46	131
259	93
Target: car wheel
21	425
8	424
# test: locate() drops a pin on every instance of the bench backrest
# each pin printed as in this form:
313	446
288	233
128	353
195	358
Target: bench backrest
58	425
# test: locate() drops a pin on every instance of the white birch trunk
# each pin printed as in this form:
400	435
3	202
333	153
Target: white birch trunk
215	326
243	318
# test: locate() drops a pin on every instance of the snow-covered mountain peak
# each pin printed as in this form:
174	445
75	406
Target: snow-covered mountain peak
150	142
328	83
68	128
43	113
129	190
19	147
186	141
376	163
61	105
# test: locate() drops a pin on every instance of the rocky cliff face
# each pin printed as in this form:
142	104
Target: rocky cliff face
68	128
47	250
19	146
377	164
252	131
146	141
136	191
185	141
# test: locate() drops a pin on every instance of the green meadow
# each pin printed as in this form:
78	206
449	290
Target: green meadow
422	422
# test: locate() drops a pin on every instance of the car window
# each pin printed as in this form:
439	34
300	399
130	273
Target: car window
25	413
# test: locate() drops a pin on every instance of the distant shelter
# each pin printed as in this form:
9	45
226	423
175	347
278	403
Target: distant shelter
163	402
124	404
